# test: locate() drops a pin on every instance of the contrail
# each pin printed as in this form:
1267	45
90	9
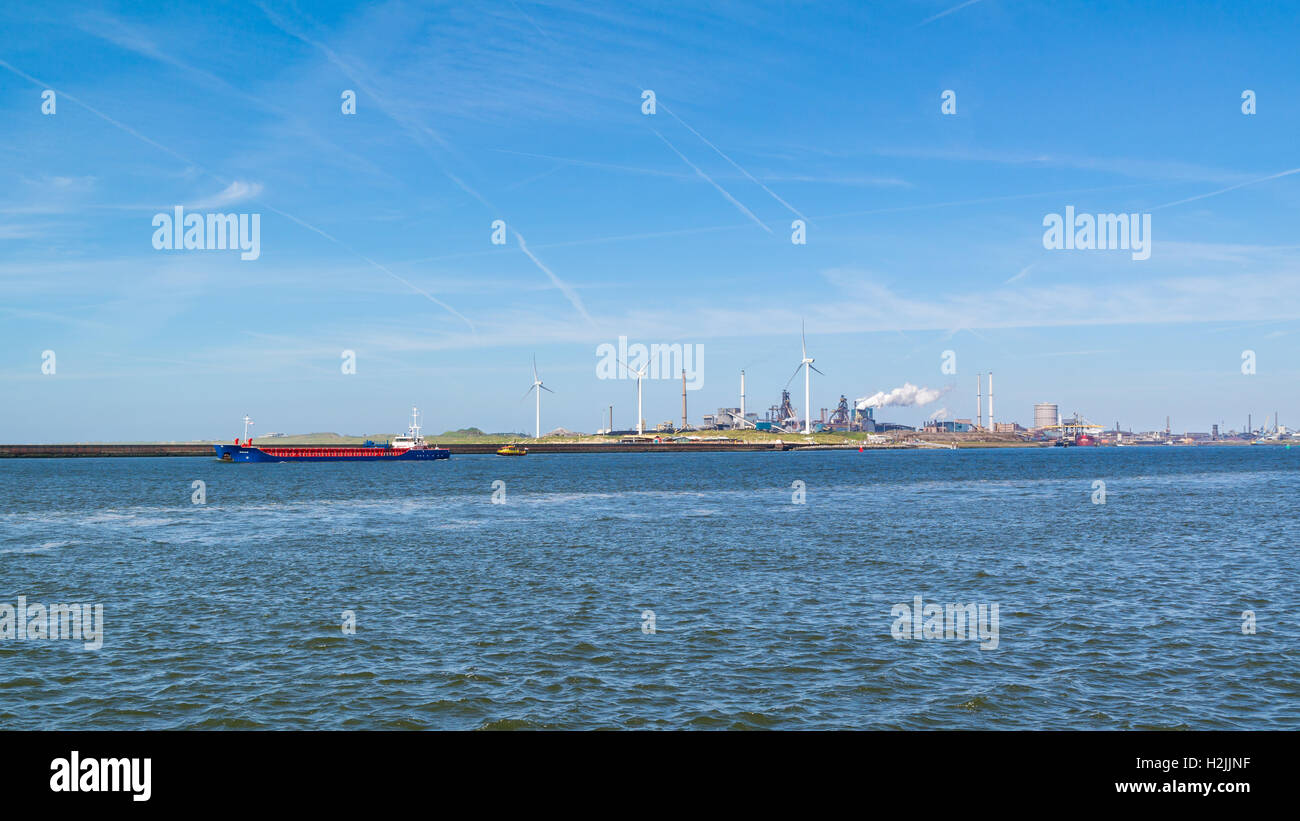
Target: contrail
739	225
221	180
383	268
946	13
1229	188
107	119
734	164
710	181
702	139
417	132
564	287
532	22
591	241
982	200
1021	274
569	161
338	62
650	235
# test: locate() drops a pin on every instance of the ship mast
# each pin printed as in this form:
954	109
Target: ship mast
415	425
247	422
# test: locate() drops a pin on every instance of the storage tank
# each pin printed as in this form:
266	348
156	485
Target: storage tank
1045	414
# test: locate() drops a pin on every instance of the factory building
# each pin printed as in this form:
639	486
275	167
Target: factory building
729	419
864	420
885	427
947	426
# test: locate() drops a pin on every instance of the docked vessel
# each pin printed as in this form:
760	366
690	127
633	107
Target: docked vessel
512	450
1075	433
409	448
1078	440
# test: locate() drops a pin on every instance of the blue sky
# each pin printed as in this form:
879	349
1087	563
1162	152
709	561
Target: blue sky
924	230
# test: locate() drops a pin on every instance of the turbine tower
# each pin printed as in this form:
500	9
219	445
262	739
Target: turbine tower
807	364
538	387
640	374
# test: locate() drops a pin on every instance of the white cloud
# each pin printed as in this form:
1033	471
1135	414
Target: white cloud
237	191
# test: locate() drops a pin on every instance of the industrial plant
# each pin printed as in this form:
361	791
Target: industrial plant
1049	426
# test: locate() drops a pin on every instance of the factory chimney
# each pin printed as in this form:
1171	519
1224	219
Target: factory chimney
979	403
683	399
991	425
742	398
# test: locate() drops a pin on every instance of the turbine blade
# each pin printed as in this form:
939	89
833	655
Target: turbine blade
803	340
525	396
815	369
543	387
793	375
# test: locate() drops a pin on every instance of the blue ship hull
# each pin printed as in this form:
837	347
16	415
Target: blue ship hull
238	453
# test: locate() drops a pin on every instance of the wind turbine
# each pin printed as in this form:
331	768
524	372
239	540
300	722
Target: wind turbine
640	374
539	387
806	362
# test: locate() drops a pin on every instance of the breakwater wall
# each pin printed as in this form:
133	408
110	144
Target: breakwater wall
64	451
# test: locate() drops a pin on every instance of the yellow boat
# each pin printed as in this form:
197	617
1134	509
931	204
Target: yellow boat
512	450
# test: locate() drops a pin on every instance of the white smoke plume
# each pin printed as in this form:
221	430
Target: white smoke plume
906	396
940	415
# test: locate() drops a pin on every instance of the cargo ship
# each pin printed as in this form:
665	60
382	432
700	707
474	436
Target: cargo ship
409	448
1078	440
1075	433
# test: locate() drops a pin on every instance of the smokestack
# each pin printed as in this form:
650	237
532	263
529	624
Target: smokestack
979	403
991	425
742	398
683	399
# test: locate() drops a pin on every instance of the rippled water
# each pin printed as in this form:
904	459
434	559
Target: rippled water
768	614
